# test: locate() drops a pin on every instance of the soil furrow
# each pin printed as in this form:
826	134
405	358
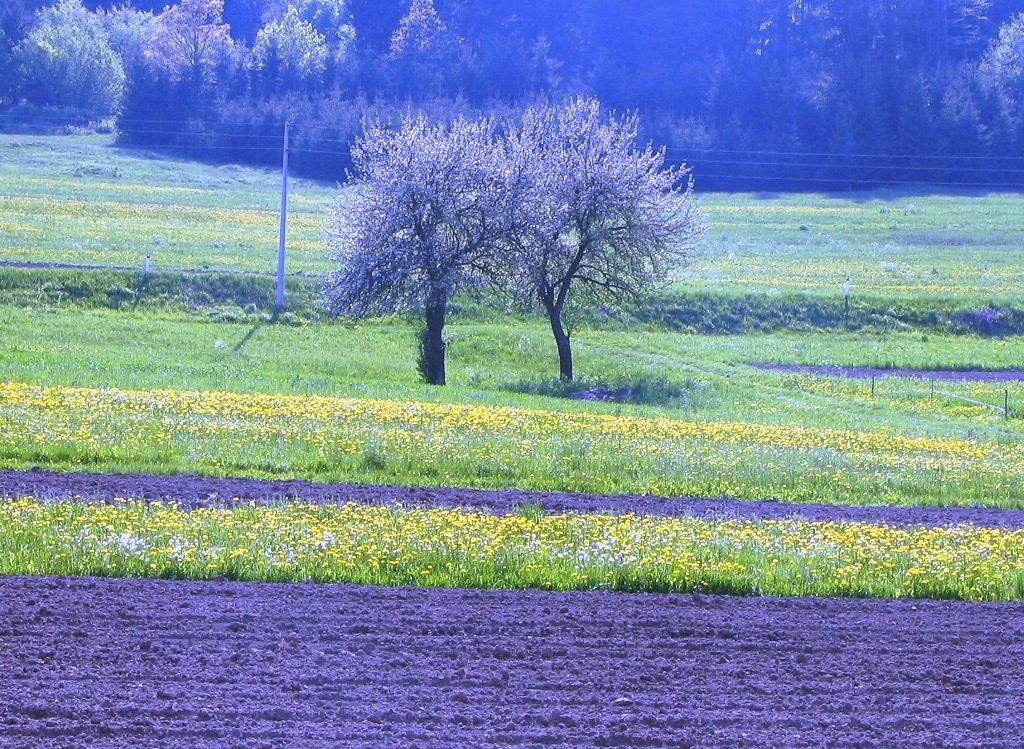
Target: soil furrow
197	491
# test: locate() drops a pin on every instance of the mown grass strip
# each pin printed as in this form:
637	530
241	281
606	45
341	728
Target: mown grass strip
358	543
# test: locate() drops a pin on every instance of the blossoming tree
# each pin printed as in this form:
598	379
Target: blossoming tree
420	223
594	215
561	204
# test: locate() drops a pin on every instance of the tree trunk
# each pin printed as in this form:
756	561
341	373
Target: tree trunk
561	341
432	345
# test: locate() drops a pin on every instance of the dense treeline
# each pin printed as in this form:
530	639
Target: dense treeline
756	94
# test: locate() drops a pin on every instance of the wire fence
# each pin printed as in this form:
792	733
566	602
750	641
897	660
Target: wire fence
1003	401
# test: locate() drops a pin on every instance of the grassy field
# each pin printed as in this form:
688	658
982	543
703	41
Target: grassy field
191	377
460	548
111	391
83	200
887	243
510	364
343	439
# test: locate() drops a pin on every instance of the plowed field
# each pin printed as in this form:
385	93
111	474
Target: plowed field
131	663
92	662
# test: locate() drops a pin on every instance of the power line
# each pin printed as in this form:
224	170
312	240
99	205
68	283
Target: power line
204	147
64	120
170	269
873	167
672	161
869	182
222	134
241	149
216	127
202	133
835	172
824	155
199	134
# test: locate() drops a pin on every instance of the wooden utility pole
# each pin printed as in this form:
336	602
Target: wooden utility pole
279	302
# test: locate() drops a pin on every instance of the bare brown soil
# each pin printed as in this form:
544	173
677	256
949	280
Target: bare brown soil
199	491
148	663
129	663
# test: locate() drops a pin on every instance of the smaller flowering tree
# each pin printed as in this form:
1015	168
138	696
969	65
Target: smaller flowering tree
420	223
289	53
424	53
333	21
594	216
1002	67
190	41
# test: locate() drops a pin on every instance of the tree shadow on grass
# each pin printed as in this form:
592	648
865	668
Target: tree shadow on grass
248	336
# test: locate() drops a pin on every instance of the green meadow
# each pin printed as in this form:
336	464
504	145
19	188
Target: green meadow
772	268
83	200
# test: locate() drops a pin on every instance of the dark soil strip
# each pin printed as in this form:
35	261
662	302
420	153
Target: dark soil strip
176	665
196	491
947	375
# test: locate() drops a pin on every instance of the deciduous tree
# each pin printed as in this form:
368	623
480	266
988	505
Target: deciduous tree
594	215
289	53
67	61
424	53
332	19
190	41
420	223
129	32
1002	67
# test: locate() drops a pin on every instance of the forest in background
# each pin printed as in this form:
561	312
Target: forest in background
754	94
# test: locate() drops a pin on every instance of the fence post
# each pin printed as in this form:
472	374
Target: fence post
846	304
